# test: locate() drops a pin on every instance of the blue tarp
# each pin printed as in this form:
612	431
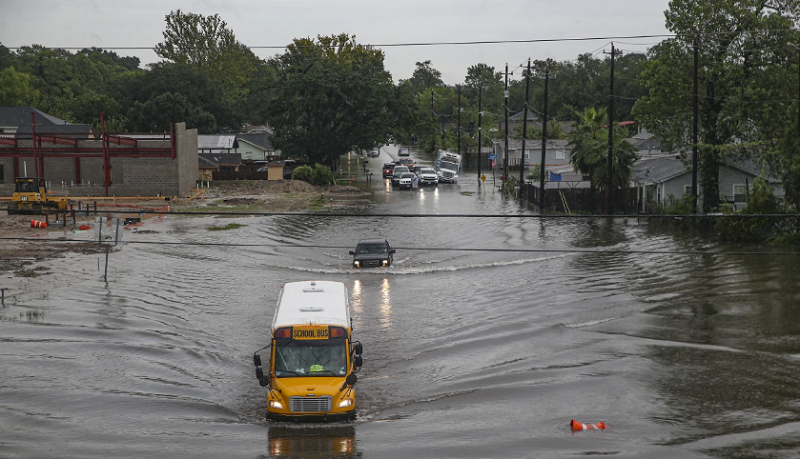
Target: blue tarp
555	177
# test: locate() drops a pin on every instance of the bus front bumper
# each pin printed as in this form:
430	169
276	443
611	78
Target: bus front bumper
317	417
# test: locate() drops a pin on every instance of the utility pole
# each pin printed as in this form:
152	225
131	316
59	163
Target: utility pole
544	140
480	115
524	127
610	192
458	132
505	155
694	133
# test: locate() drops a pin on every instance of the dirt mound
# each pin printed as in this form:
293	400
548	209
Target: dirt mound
265	186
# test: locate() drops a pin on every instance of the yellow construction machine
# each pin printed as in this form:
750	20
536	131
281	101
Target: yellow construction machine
30	197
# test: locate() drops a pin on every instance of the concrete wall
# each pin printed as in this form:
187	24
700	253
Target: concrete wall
129	176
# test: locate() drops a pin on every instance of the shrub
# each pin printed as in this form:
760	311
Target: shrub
322	176
302	173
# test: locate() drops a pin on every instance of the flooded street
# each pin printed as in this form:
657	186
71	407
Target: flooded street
468	354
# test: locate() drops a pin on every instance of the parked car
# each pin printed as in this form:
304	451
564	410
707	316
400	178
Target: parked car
373	153
398	171
373	253
406	180
388	170
403	151
427	176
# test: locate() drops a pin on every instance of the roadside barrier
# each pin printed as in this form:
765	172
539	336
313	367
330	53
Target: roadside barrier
38	224
581	426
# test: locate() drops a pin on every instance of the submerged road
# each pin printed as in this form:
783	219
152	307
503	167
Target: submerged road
467	354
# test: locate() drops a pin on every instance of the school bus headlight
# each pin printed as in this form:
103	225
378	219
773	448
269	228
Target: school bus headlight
275	404
346	403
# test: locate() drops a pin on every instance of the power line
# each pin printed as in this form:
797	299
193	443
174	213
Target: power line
451	43
427	249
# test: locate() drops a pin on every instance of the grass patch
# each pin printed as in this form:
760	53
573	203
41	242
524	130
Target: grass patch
32	315
229	226
222	209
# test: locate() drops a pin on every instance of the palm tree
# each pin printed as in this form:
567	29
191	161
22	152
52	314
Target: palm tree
589	154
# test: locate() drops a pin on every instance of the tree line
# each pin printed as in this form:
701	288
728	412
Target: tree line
327	95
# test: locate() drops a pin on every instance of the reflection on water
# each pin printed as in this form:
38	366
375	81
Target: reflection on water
386	305
312	442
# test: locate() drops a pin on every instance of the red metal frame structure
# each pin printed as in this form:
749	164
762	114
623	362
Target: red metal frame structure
11	148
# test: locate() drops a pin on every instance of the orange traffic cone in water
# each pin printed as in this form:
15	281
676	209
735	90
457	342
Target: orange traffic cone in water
581	426
38	224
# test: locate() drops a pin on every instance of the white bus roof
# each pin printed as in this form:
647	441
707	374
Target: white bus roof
312	302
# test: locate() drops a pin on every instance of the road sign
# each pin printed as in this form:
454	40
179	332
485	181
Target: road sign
483	177
492	164
493	156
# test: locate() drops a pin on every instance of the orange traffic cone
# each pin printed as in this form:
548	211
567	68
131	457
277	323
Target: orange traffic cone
581	426
38	224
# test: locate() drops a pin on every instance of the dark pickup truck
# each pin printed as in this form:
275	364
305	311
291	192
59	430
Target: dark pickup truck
373	253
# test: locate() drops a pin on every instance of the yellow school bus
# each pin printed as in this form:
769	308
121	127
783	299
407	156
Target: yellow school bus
310	371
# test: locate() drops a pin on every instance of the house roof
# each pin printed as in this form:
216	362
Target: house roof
219	159
258	140
215	141
516	144
519	116
15	116
657	170
662	169
80	131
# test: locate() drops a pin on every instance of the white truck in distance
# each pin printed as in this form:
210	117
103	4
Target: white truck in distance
447	166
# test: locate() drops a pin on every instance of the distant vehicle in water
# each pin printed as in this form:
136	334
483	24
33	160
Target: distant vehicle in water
427	176
388	170
397	173
404	151
408	162
406	180
447	166
373	153
373	253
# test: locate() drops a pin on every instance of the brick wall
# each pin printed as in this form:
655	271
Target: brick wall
129	176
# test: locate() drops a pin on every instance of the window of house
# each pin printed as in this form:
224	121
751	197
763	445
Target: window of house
740	193
561	154
687	189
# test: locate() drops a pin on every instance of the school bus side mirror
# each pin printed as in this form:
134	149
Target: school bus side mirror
359	349
351	379
358	362
259	373
257	360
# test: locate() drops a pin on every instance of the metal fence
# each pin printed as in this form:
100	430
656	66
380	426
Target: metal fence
581	200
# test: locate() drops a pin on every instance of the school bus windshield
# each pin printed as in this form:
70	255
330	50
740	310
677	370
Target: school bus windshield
305	358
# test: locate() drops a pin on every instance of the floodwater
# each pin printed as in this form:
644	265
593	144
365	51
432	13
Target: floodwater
468	354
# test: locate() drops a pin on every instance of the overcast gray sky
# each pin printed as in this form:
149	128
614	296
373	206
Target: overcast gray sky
140	23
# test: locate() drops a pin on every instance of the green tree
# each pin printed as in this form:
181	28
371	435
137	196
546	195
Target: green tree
736	78
329	97
200	102
207	43
17	88
589	150
425	77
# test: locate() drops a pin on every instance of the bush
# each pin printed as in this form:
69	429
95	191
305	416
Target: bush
757	230
302	173
322	176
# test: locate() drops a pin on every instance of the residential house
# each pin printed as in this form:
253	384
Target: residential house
250	147
662	177
12	117
556	153
211	162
